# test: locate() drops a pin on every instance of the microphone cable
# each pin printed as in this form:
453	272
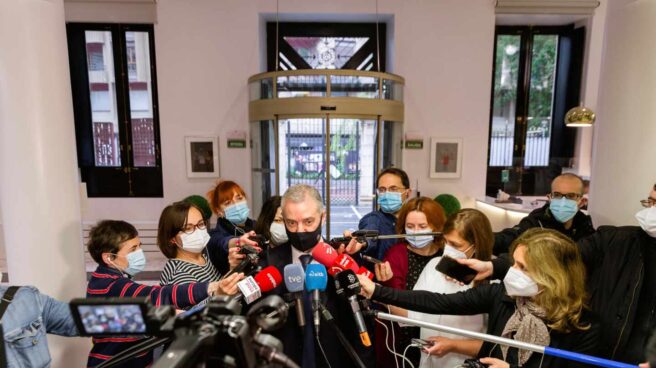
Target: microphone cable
322	351
393	352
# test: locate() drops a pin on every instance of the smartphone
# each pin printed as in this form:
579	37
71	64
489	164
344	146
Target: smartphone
421	342
455	270
371	259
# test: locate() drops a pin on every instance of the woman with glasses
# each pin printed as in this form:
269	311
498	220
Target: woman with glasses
182	237
467	234
404	262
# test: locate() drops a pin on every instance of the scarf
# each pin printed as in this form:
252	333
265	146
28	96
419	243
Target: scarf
526	325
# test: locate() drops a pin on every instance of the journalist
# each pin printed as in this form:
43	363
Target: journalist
116	247
27	316
562	213
541	301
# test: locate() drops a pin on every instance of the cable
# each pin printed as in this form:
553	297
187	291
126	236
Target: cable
388	348
323	352
405	351
389	310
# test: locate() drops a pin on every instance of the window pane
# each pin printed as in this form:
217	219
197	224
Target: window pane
102	95
324	52
302	86
141	103
540	101
352	176
505	97
353	86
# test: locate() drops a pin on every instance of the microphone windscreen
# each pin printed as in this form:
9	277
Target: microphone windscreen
294	277
365	272
324	254
268	279
346	262
334	270
316	277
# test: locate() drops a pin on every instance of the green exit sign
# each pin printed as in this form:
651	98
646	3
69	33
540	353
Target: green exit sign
414	144
236	143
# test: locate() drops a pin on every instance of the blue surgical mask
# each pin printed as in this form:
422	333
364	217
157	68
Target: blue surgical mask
390	202
136	262
419	241
563	209
237	213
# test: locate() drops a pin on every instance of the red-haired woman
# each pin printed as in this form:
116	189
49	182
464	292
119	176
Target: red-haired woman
404	261
228	201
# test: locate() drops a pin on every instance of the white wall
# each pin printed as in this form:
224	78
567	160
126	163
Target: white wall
623	168
207	49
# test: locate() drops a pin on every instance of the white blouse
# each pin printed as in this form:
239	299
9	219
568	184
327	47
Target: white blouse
435	281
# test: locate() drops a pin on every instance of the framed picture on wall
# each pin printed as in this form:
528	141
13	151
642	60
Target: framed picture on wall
445	158
202	157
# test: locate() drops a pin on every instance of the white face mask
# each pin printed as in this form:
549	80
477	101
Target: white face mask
278	233
419	241
647	220
196	241
451	251
518	283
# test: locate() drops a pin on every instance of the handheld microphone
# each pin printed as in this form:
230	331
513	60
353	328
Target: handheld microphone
316	280
324	254
365	272
346	262
294	281
251	288
347	284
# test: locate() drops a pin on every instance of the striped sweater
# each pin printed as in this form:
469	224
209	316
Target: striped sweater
109	282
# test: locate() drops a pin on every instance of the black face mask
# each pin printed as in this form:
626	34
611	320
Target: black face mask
304	241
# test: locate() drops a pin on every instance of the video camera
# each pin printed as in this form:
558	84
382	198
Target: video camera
213	335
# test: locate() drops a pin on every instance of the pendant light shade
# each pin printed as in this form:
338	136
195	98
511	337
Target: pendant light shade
579	116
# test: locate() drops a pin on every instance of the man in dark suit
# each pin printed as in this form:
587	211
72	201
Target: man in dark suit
303	213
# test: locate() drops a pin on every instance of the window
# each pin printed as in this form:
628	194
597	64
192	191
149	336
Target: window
536	79
326	46
115	105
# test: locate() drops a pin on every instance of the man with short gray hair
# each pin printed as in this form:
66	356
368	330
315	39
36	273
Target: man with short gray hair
303	214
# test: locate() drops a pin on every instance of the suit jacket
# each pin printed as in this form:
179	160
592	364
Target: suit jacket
292	335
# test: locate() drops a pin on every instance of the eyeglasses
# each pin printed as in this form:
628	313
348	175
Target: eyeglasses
190	228
559	195
649	202
393	189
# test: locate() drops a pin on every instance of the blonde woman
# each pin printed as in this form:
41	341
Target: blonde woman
541	301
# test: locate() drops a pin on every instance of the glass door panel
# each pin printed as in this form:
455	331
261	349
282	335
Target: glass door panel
302	154
352	171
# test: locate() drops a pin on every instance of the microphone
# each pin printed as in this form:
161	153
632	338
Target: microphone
346	262
365	272
347	284
324	254
251	288
294	281
316	281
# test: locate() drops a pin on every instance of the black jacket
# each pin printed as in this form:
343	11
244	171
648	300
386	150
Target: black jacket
614	257
291	334
492	299
217	247
542	217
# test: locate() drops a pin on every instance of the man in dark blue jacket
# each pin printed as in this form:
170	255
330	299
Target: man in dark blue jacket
392	190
